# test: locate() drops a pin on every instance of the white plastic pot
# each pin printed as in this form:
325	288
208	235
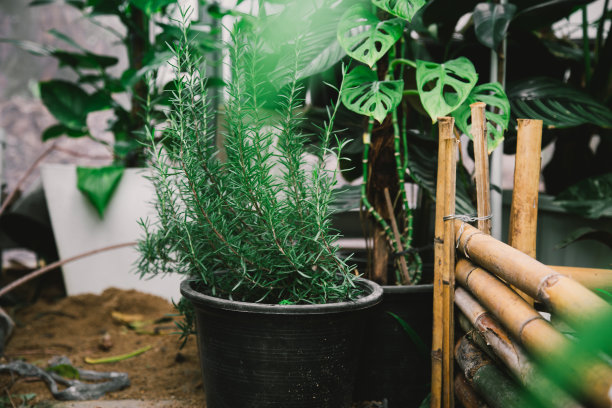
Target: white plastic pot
78	228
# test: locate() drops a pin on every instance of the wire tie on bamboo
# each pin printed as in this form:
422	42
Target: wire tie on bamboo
469	219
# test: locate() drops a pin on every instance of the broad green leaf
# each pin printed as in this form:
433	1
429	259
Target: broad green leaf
443	87
585	234
491	22
364	94
98	101
83	61
556	103
405	9
590	198
151	6
66	101
98	184
80	4
364	37
58	130
494	96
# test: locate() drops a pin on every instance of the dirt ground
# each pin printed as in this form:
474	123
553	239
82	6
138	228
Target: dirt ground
84	326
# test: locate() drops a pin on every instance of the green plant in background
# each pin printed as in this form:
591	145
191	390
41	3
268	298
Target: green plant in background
96	86
375	33
262	215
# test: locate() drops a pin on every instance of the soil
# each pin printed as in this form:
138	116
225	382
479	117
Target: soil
78	327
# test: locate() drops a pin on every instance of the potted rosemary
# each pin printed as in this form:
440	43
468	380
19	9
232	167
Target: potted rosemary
279	315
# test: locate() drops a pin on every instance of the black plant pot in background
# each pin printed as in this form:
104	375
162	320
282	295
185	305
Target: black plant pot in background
276	356
393	366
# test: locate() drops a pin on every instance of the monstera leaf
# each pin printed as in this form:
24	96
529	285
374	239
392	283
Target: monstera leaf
364	37
494	96
98	184
364	94
556	103
443	87
491	22
405	9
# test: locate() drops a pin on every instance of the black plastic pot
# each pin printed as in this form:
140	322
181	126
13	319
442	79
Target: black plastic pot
393	366
279	356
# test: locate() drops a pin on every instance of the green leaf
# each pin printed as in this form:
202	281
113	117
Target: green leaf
151	6
414	336
605	294
491	22
494	96
98	184
364	94
444	87
58	130
405	9
590	198
556	103
98	101
65	370
79	4
364	37
33	48
66	101
584	234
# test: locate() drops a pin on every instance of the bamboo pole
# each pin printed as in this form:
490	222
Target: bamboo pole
466	395
398	240
536	334
481	171
509	352
592	278
444	261
524	209
564	296
492	384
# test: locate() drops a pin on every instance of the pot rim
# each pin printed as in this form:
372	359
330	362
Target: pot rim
365	302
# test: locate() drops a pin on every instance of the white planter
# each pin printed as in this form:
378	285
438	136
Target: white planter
78	228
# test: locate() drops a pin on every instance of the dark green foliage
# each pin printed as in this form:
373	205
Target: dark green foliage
262	215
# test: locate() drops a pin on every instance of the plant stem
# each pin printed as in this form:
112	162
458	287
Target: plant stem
114	359
401	61
586	52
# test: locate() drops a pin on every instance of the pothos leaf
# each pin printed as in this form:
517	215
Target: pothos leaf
364	37
493	95
364	94
444	87
405	9
98	184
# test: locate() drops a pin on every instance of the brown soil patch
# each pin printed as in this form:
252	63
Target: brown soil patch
73	326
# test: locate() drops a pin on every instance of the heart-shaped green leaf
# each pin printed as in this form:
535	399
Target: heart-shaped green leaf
66	101
405	9
443	87
364	37
491	22
494	96
364	94
98	184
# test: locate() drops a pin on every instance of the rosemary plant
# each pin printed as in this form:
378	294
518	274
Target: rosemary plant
256	225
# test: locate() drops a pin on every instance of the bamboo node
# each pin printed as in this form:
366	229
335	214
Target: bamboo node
465	218
526	322
547	281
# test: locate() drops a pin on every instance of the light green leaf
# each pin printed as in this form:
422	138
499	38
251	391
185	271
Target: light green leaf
405	9
494	96
151	6
66	101
66	371
364	37
364	94
556	103
98	184
443	87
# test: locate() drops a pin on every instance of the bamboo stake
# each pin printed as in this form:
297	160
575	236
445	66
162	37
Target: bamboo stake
481	171
466	394
536	334
564	296
509	352
592	278
493	386
398	240
444	254
524	210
